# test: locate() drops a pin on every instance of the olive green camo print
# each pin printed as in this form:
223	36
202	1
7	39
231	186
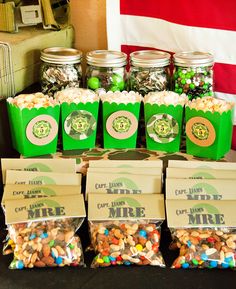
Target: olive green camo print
80	124
41	129
162	128
121	124
200	131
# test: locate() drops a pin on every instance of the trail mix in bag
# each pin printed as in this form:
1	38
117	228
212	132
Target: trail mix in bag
210	248
43	231
125	230
204	231
16	192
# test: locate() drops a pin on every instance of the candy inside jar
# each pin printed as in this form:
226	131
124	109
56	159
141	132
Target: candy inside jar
149	71
60	68
106	70
193	73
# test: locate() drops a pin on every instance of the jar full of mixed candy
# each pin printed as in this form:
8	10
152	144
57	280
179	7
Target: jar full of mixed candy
106	69
60	69
193	73
149	71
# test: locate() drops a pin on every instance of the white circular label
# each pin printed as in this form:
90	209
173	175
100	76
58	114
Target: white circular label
42	130
121	124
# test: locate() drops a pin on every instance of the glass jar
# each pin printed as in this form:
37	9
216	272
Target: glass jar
193	73
60	68
149	71
106	69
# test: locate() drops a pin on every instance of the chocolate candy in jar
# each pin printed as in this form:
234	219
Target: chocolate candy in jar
60	69
149	71
106	69
193	73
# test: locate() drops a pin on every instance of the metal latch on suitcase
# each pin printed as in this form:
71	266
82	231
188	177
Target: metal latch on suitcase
27	16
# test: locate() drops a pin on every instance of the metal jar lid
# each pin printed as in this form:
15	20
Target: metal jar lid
149	58
106	58
61	55
193	58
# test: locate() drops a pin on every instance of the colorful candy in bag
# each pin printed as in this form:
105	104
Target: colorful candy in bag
209	248
125	230
43	231
205	231
16	192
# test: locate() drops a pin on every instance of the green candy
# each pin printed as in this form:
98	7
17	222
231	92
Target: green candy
122	85
205	86
13	265
191	86
195	262
188	75
231	264
183	81
114	88
106	259
176	75
94	83
117	80
51	243
180	90
71	246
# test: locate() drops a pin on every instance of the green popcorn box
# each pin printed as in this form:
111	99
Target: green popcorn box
163	126
120	113
79	115
120	124
34	131
208	134
79	125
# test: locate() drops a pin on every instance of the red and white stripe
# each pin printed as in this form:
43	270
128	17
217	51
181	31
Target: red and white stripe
175	26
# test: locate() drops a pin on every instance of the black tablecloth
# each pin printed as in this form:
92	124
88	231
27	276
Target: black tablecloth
115	278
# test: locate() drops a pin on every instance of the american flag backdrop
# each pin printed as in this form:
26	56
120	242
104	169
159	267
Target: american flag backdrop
179	25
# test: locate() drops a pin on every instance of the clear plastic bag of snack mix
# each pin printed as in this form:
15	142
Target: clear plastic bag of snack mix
130	242
48	243
205	248
41	232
